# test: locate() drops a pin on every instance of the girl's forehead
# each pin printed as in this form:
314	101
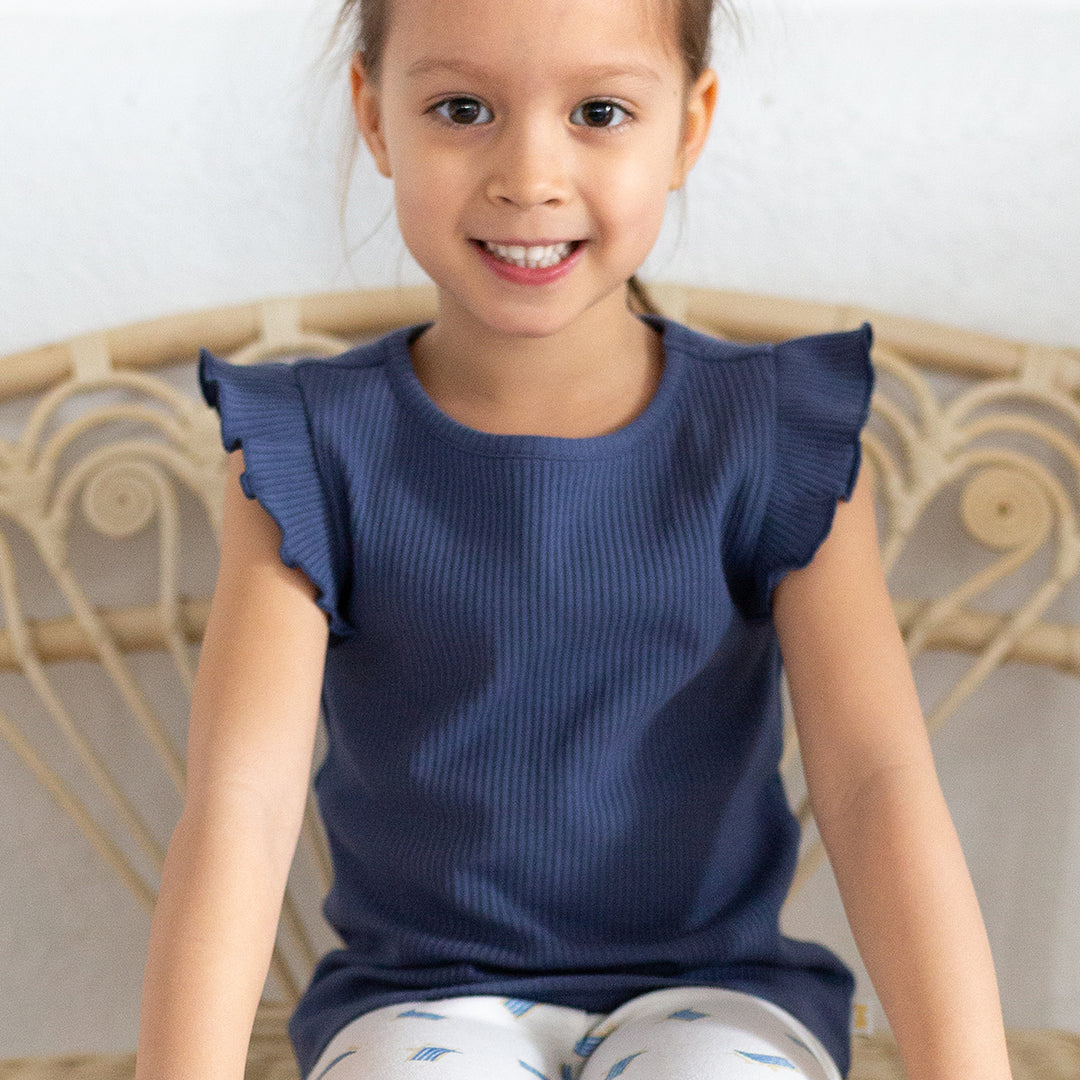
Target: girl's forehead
551	32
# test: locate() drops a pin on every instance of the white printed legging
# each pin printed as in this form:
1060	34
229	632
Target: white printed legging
680	1033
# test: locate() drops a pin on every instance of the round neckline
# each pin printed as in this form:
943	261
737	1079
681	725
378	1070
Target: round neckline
421	406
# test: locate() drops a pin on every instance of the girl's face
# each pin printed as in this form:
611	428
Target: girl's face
532	144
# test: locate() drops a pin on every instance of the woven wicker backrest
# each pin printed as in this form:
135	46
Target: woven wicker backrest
111	478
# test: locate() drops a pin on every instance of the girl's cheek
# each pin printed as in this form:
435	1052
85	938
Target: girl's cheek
641	189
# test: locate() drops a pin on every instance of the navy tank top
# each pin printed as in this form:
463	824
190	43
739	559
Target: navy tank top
552	689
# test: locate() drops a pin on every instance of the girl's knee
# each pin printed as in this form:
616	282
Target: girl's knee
476	1038
708	1035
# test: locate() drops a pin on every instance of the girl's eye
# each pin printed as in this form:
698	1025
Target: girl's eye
465	111
599	114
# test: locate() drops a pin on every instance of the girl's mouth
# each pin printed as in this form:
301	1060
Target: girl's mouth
534	257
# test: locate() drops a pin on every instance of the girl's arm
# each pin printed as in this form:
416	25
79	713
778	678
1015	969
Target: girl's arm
250	746
880	810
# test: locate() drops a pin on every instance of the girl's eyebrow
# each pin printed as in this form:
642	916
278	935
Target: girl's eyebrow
599	72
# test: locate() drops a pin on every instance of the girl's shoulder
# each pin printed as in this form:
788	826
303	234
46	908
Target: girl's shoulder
299	424
375	353
790	416
835	348
371	354
823	381
299	390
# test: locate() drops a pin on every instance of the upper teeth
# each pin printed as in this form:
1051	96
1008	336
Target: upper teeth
532	257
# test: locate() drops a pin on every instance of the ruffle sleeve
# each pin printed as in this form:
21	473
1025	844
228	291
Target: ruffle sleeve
262	411
823	389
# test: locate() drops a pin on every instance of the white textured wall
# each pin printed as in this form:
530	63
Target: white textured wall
922	158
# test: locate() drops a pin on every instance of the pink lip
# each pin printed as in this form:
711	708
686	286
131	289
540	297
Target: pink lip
524	275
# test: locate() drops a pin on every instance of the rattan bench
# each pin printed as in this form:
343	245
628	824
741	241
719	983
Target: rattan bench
114	450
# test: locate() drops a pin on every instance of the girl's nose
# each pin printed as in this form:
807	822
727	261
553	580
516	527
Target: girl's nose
529	168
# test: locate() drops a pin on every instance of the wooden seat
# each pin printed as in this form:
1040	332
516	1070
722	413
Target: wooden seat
109	505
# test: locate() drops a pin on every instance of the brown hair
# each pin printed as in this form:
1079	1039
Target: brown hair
363	24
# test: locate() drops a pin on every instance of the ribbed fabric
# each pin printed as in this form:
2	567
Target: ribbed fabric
262	410
552	690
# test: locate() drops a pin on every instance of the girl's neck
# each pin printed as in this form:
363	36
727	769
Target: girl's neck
589	379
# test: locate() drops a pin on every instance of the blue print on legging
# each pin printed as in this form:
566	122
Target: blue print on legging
336	1061
620	1066
588	1044
767	1059
535	1072
518	1006
431	1053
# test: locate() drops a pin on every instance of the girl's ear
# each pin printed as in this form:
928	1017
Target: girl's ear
365	103
700	103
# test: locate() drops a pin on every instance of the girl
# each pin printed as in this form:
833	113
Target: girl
540	559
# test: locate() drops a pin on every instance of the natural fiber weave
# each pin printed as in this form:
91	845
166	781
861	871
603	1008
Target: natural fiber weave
1035	1055
1003	445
